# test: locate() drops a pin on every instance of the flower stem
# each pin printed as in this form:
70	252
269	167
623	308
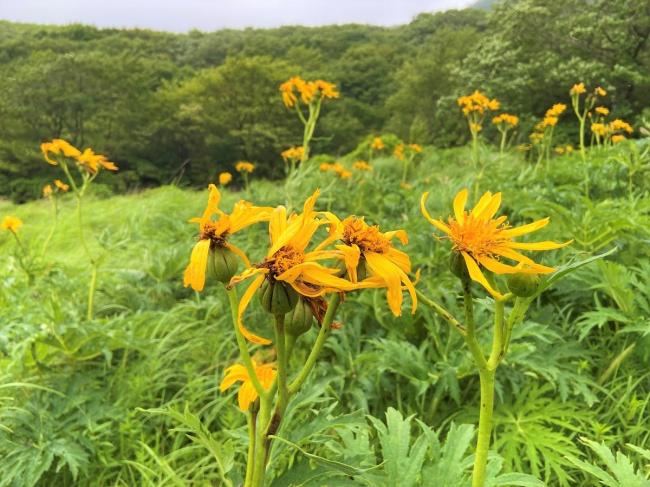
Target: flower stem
318	345
250	457
484	426
91	291
261	443
281	350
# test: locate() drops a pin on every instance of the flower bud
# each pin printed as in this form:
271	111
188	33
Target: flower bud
300	319
277	297
222	264
523	285
457	266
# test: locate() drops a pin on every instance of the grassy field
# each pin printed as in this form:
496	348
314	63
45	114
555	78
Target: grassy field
131	397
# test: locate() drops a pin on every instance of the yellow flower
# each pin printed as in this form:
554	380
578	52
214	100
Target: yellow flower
475	127
362	166
345	174
293	154
325	166
549	121
365	248
399	151
242	166
415	148
559	150
11	223
577	89
377	144
600	92
288	261
47	191
481	239
599	129
92	161
617	138
477	102
57	147
619	124
247	392
307	90
506	118
556	110
61	185
214	233
225	178
569	149
602	111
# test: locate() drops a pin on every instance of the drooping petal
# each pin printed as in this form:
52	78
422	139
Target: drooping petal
351	255
436	223
476	275
239	252
247	394
497	267
195	271
401	235
382	267
243	304
234	373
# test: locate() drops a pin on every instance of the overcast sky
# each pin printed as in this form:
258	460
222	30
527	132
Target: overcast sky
183	15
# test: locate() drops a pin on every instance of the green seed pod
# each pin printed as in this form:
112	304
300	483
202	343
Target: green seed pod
277	298
222	264
300	319
457	265
523	285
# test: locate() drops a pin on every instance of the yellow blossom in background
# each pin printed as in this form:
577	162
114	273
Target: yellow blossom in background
475	127
399	151
247	393
524	147
602	111
92	162
47	191
617	138
405	185
11	223
549	121
362	166
293	154
477	102
556	110
243	166
61	185
345	174
481	239
620	125
578	89
506	118
415	148
536	137
225	178
307	90
214	233
326	166
600	92
377	144
58	147
599	129
559	150
288	262
568	149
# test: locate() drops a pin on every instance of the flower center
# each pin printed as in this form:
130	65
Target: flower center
476	237
367	238
283	260
216	232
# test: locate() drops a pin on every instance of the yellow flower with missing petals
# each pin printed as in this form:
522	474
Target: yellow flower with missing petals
578	89
11	223
482	239
288	262
243	166
362	166
247	393
58	147
92	162
225	178
214	234
47	191
377	144
371	259
61	185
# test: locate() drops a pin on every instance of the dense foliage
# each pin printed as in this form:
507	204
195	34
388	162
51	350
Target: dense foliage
170	107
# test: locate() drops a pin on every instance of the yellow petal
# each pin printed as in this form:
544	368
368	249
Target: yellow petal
351	255
195	271
497	267
524	229
393	277
546	245
482	204
247	394
243	304
436	223
234	373
238	252
476	275
459	205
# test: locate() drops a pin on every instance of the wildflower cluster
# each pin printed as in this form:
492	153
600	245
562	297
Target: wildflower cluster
336	168
475	107
504	122
542	137
582	109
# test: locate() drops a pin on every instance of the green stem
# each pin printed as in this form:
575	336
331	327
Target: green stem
318	345
241	343
280	347
470	338
261	443
615	364
53	228
484	427
250	457
444	314
502	145
91	291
